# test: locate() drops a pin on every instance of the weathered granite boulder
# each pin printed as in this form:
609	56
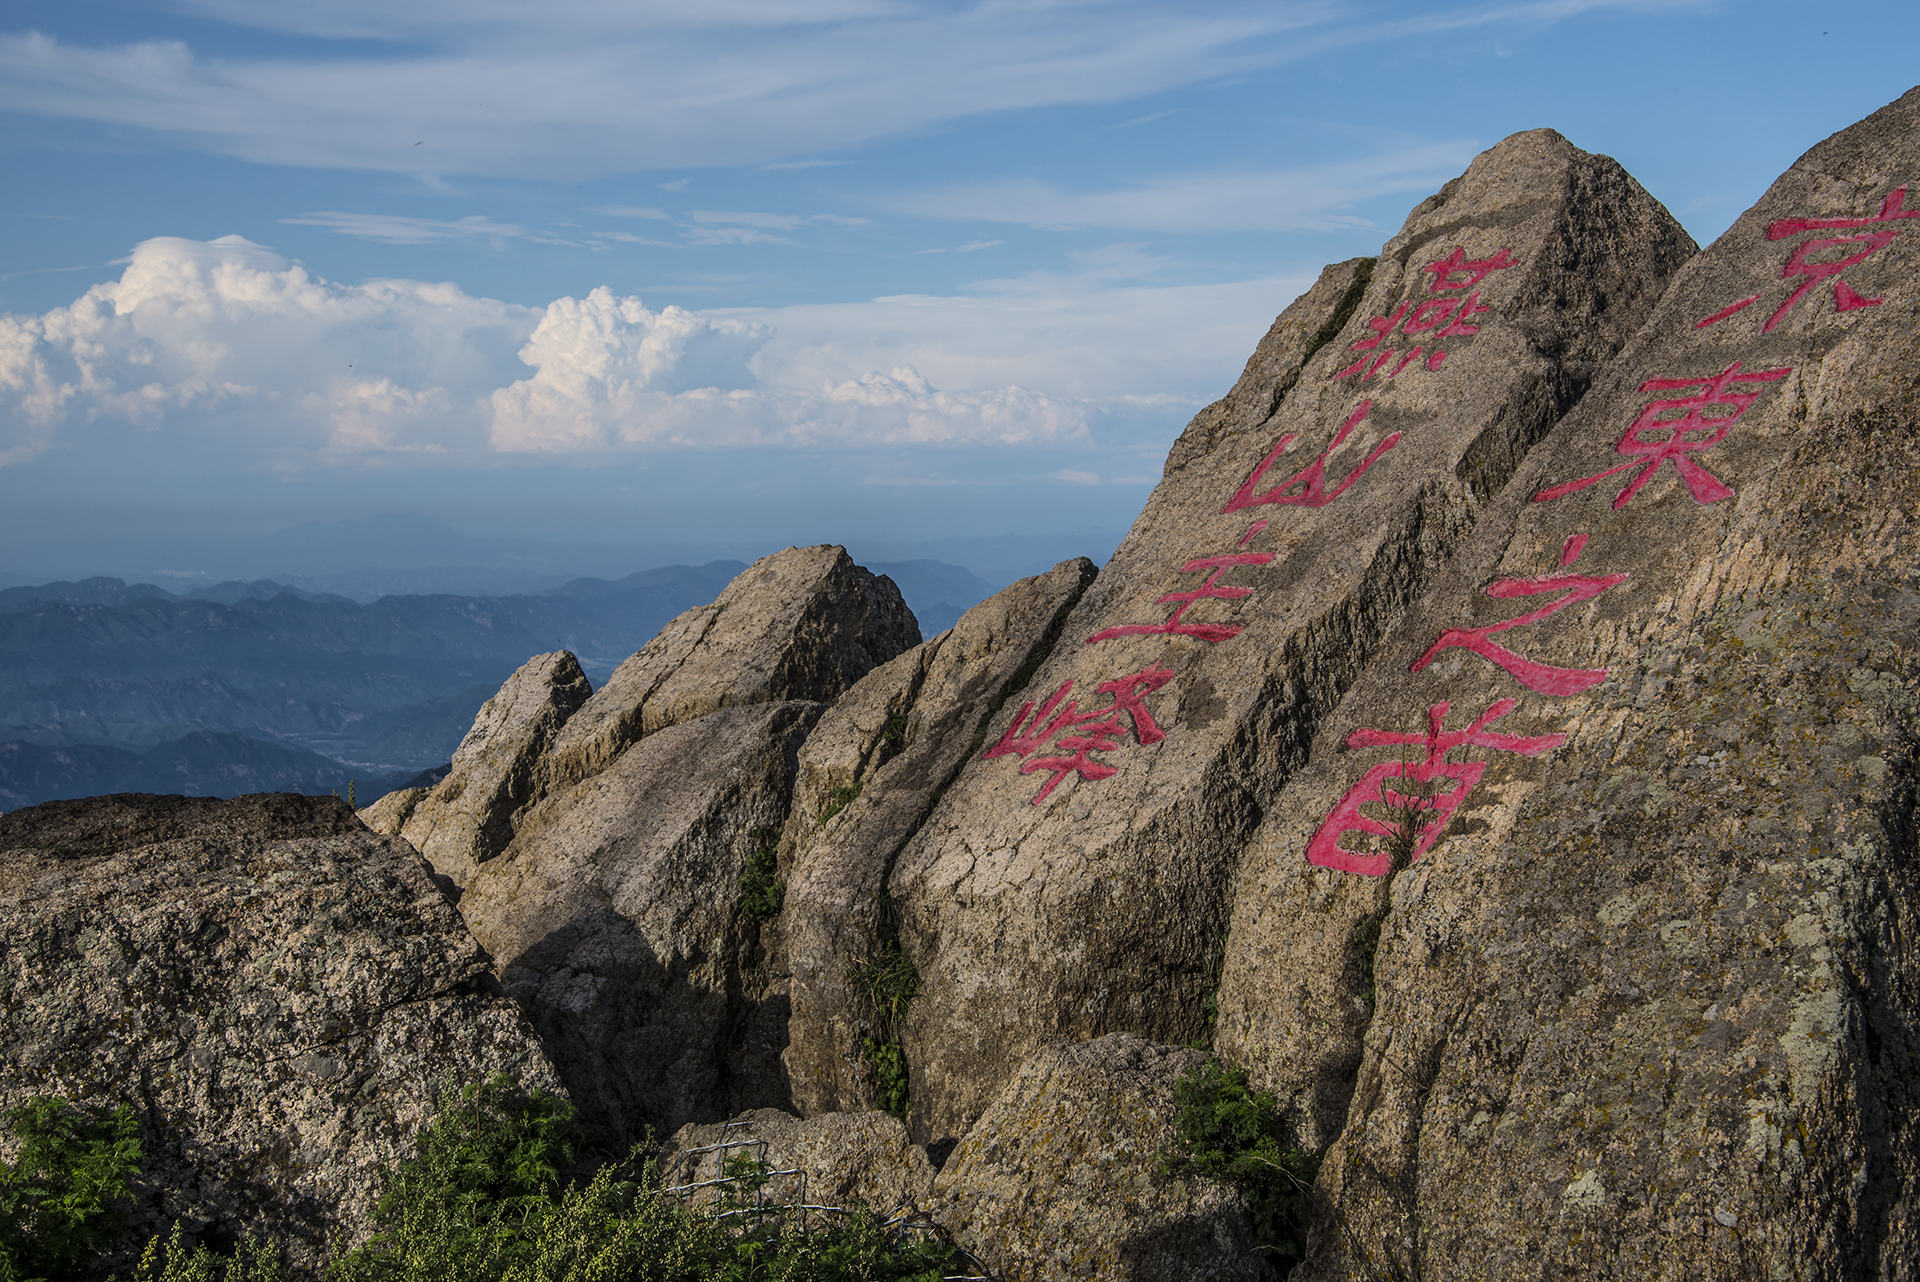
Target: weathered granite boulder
389	815
1076	879
848	1159
894	741
805	623
1058	1178
616	919
278	993
1645	995
468	817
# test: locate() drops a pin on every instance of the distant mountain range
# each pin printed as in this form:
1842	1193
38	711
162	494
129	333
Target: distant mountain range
256	686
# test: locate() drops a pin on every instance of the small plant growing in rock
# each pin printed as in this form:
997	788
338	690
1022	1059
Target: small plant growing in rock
59	1198
886	983
1225	1131
761	891
839	799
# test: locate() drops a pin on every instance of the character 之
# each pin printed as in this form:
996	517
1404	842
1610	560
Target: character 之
1100	730
1799	262
1653	440
1543	677
1210	589
1308	486
1416	809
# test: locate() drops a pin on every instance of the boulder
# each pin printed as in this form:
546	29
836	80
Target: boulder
278	993
1059	1178
616	918
1077	877
389	815
468	817
1589	927
845	1159
805	623
868	776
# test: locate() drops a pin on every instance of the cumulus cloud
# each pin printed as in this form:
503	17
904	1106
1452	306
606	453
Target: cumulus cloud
610	372
227	339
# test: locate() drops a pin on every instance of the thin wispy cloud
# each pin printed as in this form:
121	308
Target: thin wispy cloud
802	164
583	89
630	211
394	229
972	246
1317	198
628	238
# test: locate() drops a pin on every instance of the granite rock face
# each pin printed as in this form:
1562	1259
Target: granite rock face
468	817
278	993
615	917
389	815
805	623
616	912
848	1159
1644	1002
1076	880
894	742
1057	1180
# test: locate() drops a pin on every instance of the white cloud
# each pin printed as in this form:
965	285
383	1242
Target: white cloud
628	238
1074	476
1308	199
612	373
226	341
734	236
783	222
968	248
393	229
230	339
630	211
579	89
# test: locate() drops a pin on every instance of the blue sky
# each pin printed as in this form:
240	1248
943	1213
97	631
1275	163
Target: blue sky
739	273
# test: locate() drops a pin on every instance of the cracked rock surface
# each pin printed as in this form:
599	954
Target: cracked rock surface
278	993
1058	1180
1645	1005
1077	879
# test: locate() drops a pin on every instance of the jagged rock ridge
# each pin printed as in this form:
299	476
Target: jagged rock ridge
1496	735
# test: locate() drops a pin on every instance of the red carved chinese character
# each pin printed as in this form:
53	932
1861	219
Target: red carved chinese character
1845	298
1455	272
1129	695
1419	804
1473	271
1381	326
1208	632
1666	440
1535	676
1307	487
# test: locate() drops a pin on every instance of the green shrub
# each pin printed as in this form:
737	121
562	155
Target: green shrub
58	1199
1227	1132
488	1170
483	1202
761	892
252	1262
